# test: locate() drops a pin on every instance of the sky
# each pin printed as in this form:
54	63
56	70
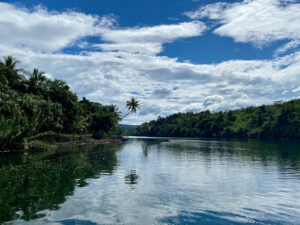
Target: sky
172	55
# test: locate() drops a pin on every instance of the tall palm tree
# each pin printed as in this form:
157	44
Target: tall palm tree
9	70
37	81
132	105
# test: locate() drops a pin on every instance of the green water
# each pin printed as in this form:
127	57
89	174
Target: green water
154	181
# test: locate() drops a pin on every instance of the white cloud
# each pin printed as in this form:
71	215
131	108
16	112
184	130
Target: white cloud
148	40
257	21
296	89
42	30
288	46
213	11
156	34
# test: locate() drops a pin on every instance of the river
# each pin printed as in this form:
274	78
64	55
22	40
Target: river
154	181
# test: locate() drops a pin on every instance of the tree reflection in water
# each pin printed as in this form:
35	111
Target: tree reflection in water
35	182
147	142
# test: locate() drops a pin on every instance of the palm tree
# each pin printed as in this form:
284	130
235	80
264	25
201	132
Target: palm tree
37	81
9	70
132	105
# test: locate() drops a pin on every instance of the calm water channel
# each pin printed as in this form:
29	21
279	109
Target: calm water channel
154	181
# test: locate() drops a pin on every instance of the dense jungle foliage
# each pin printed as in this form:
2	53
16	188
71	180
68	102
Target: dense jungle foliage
280	120
32	105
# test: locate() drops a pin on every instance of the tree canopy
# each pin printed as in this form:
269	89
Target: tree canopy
280	120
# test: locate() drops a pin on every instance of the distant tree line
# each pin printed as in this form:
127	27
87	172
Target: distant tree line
280	120
31	104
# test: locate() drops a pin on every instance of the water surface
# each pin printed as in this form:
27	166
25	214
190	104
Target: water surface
154	181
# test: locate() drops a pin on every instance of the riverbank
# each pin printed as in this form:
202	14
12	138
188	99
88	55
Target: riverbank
59	140
91	141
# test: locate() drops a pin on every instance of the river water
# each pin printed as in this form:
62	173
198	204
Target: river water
154	181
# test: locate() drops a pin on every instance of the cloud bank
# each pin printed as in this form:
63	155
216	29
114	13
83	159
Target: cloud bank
257	21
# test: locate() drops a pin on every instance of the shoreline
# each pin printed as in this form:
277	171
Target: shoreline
91	141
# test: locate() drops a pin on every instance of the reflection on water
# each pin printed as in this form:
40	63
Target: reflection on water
131	178
154	181
29	184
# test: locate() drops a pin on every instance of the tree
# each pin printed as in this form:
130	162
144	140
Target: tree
98	119
132	105
3	80
60	92
37	81
11	73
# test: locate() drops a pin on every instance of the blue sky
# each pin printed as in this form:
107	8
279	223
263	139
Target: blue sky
174	56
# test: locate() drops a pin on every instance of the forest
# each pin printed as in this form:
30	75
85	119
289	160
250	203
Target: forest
280	120
33	106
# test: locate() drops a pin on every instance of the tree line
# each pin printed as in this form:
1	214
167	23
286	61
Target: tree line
280	120
32	105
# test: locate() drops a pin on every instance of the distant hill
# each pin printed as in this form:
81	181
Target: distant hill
277	121
127	127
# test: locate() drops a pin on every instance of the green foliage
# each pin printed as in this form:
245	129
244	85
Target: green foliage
59	92
99	119
15	135
37	82
11	74
24	102
281	120
3	80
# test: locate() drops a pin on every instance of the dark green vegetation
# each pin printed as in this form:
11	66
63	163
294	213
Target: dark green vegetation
31	106
35	182
280	120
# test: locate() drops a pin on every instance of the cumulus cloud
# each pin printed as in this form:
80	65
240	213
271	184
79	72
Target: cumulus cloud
128	63
257	21
42	30
156	34
148	40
